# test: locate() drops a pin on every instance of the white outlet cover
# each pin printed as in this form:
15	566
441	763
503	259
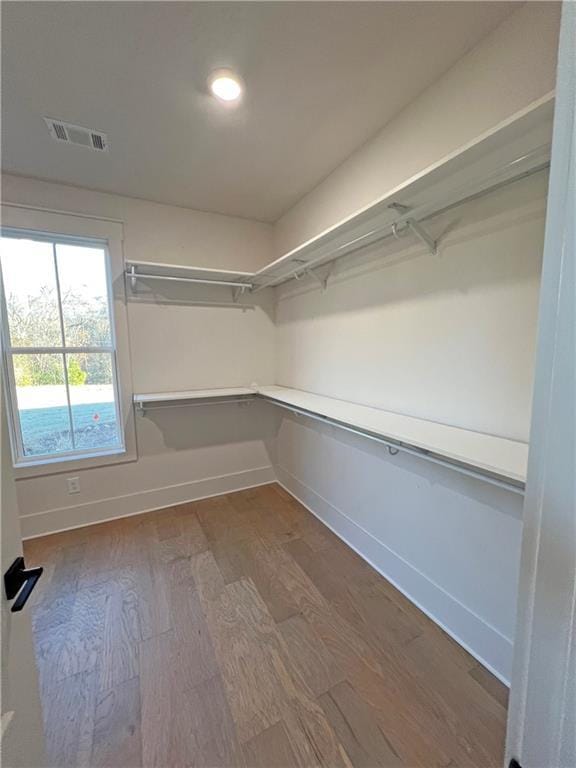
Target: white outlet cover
73	485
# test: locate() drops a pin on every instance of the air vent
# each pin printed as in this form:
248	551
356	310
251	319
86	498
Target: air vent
68	133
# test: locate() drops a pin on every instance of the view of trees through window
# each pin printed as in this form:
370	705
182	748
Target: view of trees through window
59	345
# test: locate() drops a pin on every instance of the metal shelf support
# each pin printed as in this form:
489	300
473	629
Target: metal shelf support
133	278
321	278
238	292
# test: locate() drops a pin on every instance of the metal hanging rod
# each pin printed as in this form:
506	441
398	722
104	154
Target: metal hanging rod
141	408
142	299
394	447
134	276
412	218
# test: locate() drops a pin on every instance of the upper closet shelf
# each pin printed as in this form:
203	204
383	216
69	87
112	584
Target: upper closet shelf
144	402
492	458
238	282
513	150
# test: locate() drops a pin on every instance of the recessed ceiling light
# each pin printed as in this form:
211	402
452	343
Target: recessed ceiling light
225	85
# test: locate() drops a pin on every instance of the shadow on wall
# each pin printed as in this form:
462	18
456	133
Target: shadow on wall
188	428
481	243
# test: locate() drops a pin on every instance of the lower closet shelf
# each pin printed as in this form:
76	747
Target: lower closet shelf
491	458
494	459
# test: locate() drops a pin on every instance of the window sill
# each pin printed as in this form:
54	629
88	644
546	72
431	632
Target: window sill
67	464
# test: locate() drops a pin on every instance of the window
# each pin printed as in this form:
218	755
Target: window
59	347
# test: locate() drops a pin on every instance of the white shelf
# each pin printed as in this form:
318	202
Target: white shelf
495	457
153	272
515	149
192	394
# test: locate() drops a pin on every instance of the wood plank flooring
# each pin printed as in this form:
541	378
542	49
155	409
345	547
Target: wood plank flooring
239	631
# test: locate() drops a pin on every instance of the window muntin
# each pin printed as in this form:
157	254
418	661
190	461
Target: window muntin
59	348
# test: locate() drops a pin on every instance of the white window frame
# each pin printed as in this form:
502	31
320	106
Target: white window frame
72	228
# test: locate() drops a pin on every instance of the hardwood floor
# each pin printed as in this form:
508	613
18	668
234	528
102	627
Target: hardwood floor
239	631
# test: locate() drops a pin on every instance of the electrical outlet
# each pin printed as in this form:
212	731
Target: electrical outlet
73	485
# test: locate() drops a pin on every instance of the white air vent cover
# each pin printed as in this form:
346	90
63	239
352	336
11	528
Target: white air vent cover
67	133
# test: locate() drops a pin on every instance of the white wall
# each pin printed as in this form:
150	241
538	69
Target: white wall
155	232
502	75
449	338
177	346
183	453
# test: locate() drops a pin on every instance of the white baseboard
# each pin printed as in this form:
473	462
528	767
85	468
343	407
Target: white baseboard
479	638
66	518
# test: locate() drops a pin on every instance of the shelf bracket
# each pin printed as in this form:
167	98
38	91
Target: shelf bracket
399	230
133	277
322	279
238	292
140	409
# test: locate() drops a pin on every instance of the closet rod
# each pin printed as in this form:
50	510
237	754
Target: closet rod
143	407
384	231
133	275
148	298
396	446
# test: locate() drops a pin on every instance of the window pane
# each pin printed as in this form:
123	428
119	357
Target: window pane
31	296
84	293
42	404
92	400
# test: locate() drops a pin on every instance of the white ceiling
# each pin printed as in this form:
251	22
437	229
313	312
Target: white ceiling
321	78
